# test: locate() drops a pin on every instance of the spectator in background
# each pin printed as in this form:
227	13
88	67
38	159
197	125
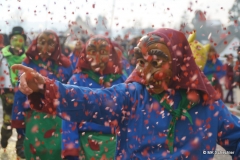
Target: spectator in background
5	39
131	58
66	50
214	70
229	79
125	64
11	54
1	41
237	77
76	53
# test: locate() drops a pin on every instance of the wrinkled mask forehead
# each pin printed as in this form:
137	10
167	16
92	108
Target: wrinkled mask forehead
97	41
48	35
150	46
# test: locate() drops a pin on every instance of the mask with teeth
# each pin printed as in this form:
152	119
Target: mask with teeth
46	44
165	61
100	56
98	53
153	63
47	47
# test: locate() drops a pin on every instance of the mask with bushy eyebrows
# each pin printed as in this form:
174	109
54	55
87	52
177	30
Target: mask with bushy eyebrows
153	63
98	53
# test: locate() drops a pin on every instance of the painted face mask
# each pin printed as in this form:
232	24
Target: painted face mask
175	67
17	42
46	44
98	53
79	45
153	63
199	51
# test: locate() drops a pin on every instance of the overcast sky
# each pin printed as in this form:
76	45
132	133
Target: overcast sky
119	13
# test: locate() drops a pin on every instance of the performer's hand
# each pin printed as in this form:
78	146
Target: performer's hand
30	81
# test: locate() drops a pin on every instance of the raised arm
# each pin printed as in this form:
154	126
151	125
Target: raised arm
82	104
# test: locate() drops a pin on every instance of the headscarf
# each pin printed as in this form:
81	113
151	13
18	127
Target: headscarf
56	56
113	66
185	73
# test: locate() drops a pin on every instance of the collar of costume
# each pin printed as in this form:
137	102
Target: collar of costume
33	54
48	65
186	74
101	79
182	110
110	68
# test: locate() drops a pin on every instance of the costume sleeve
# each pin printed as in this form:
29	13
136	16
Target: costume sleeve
70	139
18	110
82	104
229	131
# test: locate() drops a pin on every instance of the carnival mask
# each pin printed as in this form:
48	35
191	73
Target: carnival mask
98	53
17	42
153	63
46	44
199	51
79	46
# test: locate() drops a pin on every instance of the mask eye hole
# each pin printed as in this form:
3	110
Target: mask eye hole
154	63
157	64
141	62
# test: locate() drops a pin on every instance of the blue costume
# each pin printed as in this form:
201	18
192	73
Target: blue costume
42	131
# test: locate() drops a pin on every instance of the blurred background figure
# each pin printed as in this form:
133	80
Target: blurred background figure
237	77
130	56
3	40
11	54
229	79
120	51
78	49
65	49
199	50
214	70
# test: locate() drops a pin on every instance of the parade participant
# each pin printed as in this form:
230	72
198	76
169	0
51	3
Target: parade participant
76	53
199	50
98	67
1	41
131	58
237	77
166	109
42	131
4	41
124	62
229	80
214	70
11	54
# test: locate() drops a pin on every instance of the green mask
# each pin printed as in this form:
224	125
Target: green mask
17	42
